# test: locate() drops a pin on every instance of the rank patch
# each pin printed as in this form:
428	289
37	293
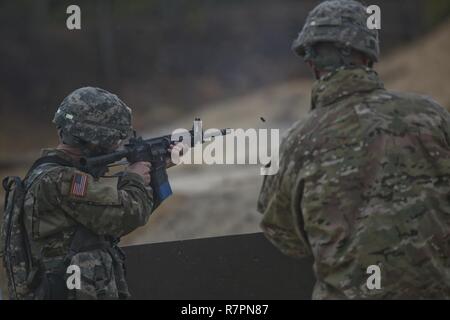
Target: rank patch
79	185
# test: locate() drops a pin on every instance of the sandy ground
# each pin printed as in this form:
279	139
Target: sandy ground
217	200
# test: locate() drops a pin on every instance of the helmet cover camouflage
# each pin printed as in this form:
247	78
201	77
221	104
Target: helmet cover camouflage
95	116
339	21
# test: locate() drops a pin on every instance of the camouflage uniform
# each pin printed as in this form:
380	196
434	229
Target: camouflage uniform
111	207
106	209
364	180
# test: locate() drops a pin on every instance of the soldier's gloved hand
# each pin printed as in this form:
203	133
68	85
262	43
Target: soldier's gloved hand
141	168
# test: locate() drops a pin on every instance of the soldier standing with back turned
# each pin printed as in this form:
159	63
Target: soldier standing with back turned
364	179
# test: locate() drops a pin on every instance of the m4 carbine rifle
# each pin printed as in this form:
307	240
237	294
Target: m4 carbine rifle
153	150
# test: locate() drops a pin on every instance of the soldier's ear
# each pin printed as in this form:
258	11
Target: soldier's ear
60	134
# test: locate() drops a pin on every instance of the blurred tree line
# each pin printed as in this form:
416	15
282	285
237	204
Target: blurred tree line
155	53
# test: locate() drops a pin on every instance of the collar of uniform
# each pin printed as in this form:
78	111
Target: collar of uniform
343	82
56	152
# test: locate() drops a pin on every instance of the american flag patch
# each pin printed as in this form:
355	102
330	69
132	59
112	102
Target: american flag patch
79	185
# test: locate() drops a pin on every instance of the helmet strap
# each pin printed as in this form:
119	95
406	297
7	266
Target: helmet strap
86	148
329	58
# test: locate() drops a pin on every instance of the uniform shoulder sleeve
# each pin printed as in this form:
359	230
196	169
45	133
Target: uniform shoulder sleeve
445	118
282	221
108	206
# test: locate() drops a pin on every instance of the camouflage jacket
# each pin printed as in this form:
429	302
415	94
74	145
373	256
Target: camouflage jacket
364	180
108	207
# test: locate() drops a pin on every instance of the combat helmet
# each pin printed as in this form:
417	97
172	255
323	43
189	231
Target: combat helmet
93	117
342	22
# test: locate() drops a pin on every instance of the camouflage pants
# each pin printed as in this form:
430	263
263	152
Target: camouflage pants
101	277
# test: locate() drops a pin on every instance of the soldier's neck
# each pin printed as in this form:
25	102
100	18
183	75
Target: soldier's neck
73	152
